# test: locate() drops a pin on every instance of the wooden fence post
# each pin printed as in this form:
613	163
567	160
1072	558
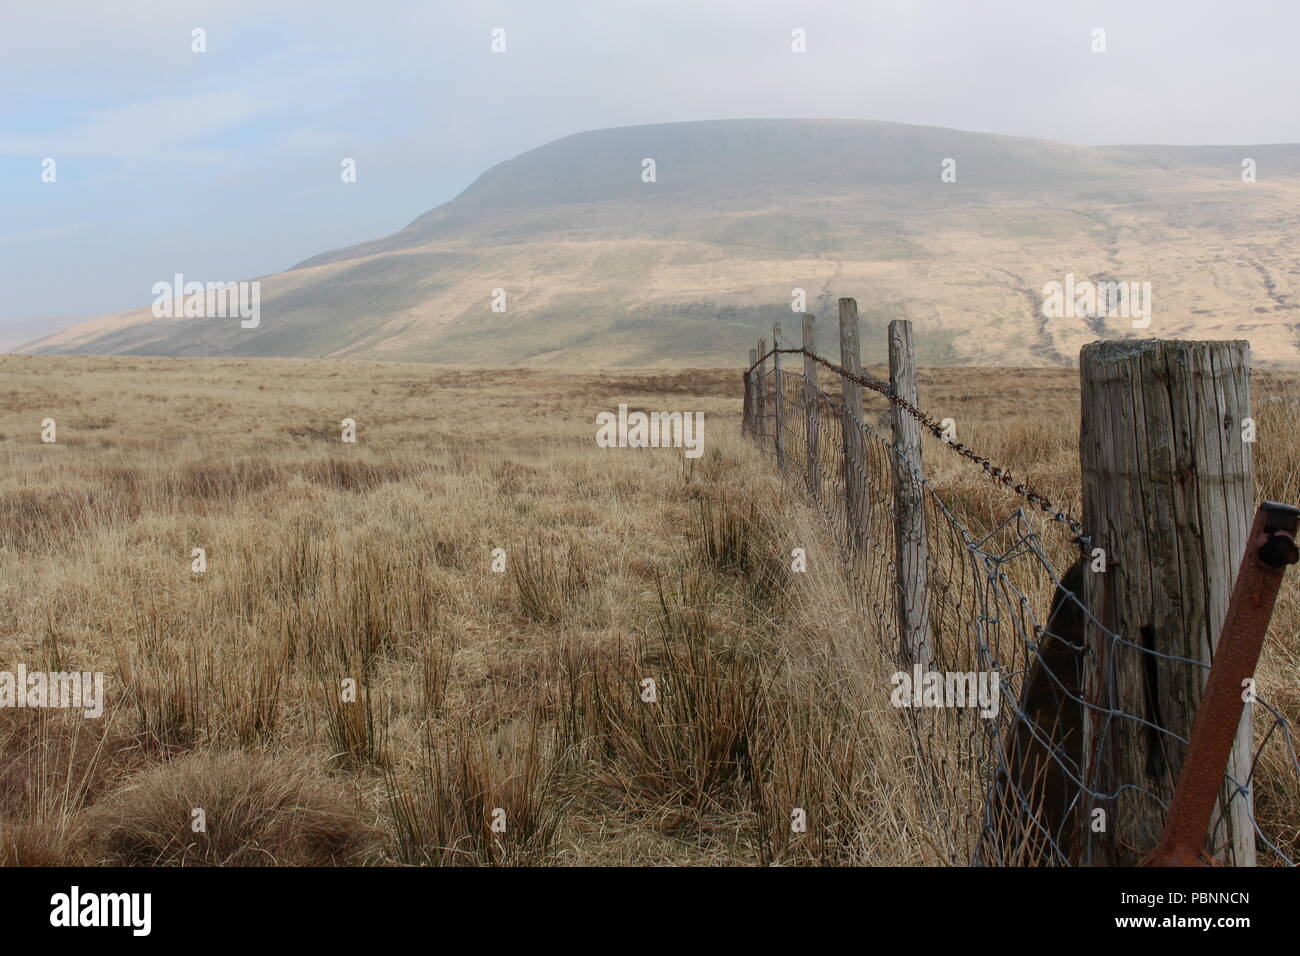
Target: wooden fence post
855	474
760	390
812	418
909	504
778	396
747	425
1168	497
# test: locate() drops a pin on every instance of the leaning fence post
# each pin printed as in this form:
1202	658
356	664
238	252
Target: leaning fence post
855	476
812	420
778	395
909	503
1168	496
760	390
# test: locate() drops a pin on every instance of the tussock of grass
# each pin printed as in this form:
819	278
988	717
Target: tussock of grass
259	810
741	539
691	747
473	801
547	584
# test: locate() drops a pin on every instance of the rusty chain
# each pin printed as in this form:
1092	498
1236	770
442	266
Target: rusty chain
999	475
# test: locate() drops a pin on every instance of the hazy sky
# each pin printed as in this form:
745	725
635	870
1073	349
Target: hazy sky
225	164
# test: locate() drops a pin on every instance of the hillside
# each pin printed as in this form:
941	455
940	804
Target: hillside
602	268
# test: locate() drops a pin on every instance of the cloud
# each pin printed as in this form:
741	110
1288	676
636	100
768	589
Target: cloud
145	129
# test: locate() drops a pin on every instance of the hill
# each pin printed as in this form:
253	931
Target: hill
599	267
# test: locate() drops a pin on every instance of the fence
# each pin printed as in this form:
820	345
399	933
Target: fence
1100	665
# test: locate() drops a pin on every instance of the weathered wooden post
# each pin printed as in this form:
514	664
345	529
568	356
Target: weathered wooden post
747	423
855	473
812	420
778	395
760	390
1168	497
909	504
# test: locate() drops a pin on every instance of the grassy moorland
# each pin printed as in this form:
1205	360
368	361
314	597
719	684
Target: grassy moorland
372	562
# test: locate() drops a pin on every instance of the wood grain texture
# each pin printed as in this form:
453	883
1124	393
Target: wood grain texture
909	503
778	397
812	420
855	474
1168	494
747	425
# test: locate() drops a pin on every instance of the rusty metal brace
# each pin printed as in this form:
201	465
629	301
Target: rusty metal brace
1269	549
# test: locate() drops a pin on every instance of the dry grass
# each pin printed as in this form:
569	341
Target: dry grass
256	810
333	565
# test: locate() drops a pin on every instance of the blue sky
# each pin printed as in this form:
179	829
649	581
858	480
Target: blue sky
225	164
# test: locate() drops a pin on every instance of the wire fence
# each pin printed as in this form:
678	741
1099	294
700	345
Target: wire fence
1001	597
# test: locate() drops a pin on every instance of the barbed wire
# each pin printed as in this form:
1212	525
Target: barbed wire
1000	475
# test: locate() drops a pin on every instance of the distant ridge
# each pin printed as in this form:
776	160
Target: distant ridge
600	267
